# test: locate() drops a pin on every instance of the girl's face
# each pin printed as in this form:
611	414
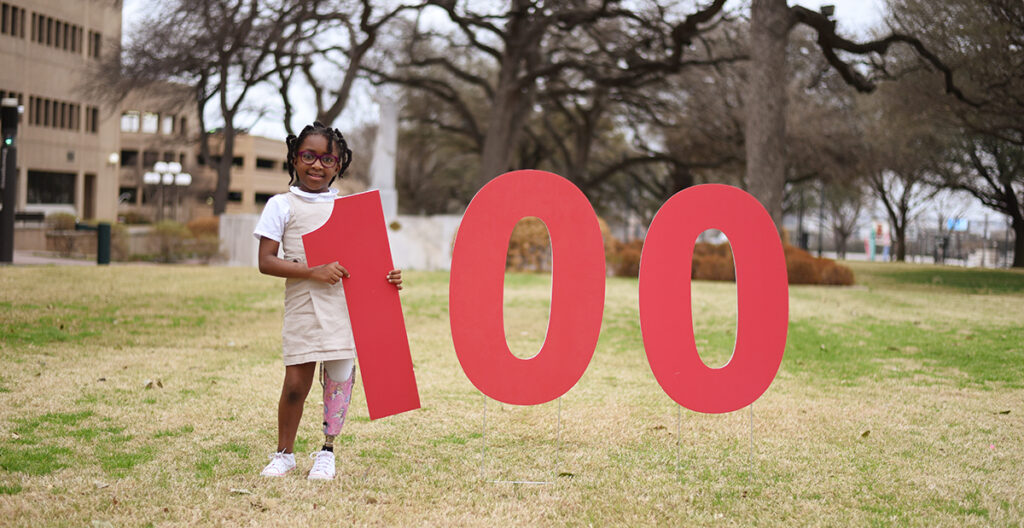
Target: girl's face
315	164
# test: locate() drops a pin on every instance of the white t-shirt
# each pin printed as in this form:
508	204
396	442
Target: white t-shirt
275	213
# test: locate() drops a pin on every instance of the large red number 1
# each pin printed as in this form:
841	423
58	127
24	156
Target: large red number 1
478	279
666	319
355	236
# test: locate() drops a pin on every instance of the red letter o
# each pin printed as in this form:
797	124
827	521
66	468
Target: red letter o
666	319
478	279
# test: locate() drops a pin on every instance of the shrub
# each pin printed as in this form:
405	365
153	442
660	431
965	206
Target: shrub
713	267
61	221
205	226
802	270
837	275
171	237
119	242
626	261
134	218
529	247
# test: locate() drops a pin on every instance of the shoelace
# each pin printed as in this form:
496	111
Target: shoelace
279	462
321	464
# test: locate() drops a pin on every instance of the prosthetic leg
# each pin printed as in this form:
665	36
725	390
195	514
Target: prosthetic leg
337	395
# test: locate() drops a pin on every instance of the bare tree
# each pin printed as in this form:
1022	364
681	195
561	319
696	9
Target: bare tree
220	48
770	24
326	50
844	202
508	54
984	41
992	171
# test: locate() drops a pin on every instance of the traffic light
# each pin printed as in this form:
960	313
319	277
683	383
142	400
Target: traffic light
9	118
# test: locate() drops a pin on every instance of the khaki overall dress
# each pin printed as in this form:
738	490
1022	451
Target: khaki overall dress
316	323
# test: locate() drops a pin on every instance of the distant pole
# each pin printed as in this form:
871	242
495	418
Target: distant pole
821	218
984	244
1006	242
8	176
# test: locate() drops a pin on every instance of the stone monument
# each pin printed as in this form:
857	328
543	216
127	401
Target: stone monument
385	150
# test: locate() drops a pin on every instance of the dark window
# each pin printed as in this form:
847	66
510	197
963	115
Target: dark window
51	187
93	118
236	161
149	158
129	158
234	196
263	163
127	195
169	156
262	198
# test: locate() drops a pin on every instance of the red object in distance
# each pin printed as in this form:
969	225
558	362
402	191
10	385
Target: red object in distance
476	287
356	237
762	288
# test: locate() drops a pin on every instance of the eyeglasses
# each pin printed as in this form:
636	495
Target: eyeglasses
326	160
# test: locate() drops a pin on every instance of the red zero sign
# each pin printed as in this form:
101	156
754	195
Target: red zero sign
476	290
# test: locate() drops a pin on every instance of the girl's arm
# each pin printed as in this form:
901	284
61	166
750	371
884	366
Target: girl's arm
270	264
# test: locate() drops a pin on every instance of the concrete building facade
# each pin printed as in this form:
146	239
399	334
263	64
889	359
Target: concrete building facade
68	145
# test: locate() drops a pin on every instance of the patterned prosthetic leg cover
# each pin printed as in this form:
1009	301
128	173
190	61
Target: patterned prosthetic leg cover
336	399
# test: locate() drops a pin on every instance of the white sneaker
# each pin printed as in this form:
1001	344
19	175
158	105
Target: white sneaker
323	466
280	464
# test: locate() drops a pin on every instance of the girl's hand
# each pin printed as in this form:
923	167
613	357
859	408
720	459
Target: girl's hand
329	273
395	277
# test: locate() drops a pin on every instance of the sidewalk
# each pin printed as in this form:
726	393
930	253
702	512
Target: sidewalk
32	258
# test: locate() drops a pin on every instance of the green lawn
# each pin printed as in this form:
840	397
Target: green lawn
146	396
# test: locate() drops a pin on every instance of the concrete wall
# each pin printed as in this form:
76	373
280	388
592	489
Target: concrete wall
237	244
418	243
423	242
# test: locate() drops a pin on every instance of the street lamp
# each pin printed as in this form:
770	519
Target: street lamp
167	173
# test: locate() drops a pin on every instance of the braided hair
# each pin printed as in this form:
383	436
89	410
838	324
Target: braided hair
335	142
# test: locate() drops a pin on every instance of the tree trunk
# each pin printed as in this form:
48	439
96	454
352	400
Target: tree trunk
1018	245
840	237
770	22
899	241
227	155
513	98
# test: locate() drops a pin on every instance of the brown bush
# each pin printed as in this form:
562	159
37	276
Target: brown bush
626	260
61	221
704	249
713	267
837	275
802	270
529	247
205	226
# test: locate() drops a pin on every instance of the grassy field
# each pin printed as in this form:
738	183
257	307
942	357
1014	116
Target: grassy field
146	396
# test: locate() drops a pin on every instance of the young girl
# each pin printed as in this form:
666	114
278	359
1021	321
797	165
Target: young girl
316	323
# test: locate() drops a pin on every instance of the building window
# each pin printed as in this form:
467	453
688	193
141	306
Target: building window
12	20
149	158
51	187
127	195
129	158
92	119
94	44
181	127
150	122
234	196
263	163
263	198
130	121
167	125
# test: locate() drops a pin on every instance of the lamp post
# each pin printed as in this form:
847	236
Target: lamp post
165	174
